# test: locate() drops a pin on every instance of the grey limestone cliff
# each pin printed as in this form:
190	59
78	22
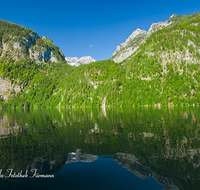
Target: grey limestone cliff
7	89
74	61
138	37
18	42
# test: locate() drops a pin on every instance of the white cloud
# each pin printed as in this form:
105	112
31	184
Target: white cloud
90	46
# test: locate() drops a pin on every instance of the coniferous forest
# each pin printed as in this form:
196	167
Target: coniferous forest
165	70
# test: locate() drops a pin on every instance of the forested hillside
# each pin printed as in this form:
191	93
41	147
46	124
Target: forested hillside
19	42
169	64
139	36
164	70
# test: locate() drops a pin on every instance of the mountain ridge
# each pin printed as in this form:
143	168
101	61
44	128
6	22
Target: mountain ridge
164	70
18	42
74	61
139	36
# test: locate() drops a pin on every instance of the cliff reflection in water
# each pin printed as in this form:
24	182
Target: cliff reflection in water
150	142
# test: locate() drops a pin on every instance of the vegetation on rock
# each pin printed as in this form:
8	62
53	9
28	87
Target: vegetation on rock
164	70
18	42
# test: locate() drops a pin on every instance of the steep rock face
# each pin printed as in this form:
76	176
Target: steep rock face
26	48
139	36
74	61
130	46
43	55
7	89
19	42
156	26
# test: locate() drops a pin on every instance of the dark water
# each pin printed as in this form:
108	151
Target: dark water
116	148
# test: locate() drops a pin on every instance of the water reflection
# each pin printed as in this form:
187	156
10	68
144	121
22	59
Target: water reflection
132	163
80	157
159	143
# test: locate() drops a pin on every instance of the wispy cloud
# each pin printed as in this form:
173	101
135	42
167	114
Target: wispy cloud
90	46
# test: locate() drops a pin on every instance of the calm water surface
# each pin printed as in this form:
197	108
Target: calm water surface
116	148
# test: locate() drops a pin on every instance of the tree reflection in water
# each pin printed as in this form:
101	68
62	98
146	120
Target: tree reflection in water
160	143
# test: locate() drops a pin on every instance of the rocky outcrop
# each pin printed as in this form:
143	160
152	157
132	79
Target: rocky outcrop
18	42
7	89
130	46
156	26
26	48
74	61
138	37
43	55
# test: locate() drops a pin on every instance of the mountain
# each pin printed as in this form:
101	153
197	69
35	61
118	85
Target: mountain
139	36
164	70
18	42
130	46
74	61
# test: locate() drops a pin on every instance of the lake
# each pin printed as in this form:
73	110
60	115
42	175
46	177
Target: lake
94	148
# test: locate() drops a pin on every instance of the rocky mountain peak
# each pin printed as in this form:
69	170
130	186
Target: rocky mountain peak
156	26
130	46
138	36
134	34
74	61
172	16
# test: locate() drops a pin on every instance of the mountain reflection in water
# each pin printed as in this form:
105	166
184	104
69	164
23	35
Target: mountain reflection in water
131	148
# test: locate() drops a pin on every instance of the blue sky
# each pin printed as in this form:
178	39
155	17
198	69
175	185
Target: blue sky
89	27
